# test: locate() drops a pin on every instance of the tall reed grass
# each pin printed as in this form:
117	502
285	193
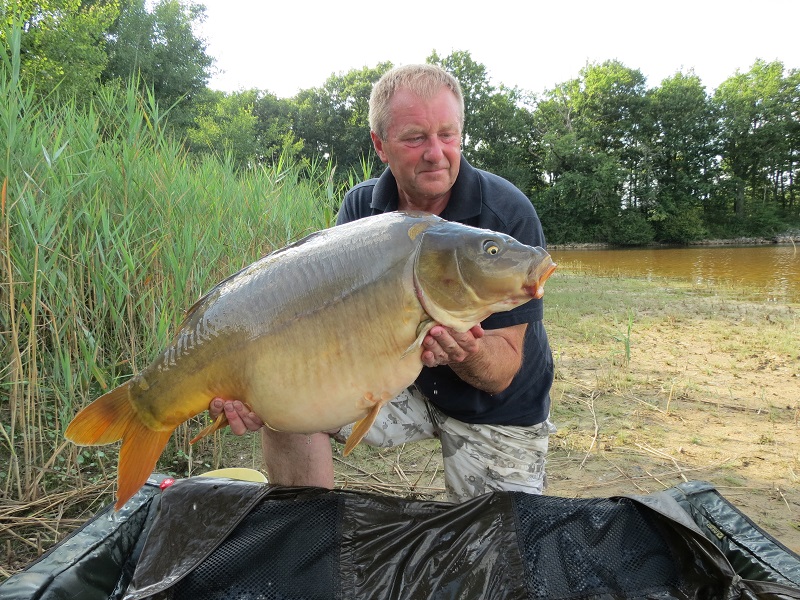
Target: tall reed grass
109	232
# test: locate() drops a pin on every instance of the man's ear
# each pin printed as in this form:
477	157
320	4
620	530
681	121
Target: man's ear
378	143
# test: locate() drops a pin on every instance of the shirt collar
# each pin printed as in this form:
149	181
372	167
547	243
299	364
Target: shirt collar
465	200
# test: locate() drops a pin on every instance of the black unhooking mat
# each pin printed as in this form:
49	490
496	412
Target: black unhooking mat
217	538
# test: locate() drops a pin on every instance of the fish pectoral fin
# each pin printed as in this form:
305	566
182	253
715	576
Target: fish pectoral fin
218	423
361	428
422	330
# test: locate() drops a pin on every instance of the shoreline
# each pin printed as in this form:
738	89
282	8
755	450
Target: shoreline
792	238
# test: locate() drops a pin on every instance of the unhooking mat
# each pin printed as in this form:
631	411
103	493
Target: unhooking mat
218	538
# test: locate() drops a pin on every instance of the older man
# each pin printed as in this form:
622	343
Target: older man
483	393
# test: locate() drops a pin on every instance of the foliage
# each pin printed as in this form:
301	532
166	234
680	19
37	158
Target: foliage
62	43
760	145
630	228
333	120
276	137
591	156
678	226
251	127
603	157
582	198
688	163
498	124
225	126
159	49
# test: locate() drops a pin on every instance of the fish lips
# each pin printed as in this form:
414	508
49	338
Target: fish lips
538	274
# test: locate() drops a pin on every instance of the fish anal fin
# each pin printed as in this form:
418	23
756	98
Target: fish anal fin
218	423
361	428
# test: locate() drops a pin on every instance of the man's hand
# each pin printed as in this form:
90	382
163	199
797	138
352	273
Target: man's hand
443	345
240	418
487	360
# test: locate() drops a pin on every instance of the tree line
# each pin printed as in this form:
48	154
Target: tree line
604	157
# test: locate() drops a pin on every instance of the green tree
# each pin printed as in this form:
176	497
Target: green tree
788	176
275	128
333	120
225	126
250	128
612	104
595	153
509	144
573	207
683	160
160	49
756	144
62	46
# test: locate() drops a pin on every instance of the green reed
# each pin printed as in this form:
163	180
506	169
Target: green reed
109	232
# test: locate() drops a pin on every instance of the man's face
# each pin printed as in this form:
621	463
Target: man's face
422	145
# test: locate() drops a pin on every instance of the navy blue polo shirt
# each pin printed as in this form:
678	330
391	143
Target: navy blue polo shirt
484	200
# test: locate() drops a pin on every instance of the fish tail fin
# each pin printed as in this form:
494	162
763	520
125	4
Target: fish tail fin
110	418
141	447
361	428
104	421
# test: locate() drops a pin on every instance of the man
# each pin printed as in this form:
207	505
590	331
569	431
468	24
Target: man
483	393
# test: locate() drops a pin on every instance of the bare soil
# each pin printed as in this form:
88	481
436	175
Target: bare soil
695	414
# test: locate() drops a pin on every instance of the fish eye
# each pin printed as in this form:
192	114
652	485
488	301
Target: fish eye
491	247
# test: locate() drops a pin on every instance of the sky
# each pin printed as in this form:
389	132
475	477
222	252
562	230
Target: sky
283	47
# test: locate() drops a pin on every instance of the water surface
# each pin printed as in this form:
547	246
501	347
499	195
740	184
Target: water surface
770	272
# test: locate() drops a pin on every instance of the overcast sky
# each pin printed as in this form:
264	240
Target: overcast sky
284	47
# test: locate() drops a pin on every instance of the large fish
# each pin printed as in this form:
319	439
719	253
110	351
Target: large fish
316	335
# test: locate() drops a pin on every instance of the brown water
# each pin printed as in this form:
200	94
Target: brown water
770	273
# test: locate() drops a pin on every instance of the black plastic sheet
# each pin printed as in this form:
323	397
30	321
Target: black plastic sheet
752	552
206	539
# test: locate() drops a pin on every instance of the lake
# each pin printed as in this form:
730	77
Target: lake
769	272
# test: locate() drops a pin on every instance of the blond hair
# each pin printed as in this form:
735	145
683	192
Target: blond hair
423	80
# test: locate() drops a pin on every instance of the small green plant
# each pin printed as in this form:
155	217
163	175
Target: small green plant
626	338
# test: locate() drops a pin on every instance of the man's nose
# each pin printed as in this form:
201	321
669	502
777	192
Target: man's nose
433	151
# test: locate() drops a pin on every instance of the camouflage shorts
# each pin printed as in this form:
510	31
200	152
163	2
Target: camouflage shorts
477	458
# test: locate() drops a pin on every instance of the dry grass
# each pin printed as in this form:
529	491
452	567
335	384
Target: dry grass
27	529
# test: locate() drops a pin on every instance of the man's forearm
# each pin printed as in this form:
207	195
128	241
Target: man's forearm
492	368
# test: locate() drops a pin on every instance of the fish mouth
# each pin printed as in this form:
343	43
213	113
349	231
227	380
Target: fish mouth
538	275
